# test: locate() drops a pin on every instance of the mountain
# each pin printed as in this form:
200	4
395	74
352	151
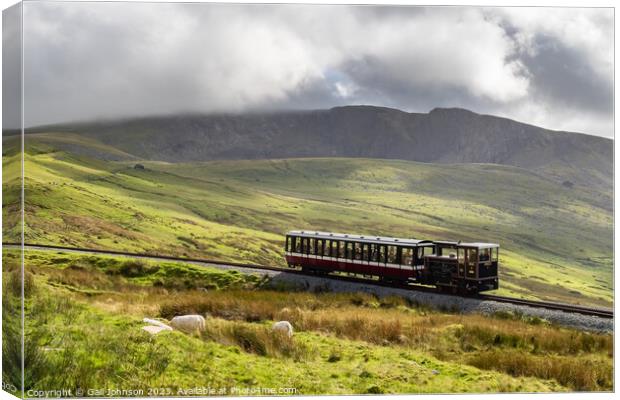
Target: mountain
444	135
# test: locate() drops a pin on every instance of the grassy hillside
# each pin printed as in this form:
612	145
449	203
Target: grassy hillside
444	135
556	241
84	318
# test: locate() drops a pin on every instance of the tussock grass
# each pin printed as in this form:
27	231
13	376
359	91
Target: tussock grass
472	339
581	374
257	339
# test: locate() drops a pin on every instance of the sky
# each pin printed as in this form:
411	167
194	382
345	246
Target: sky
551	67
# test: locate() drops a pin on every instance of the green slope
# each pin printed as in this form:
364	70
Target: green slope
83	329
556	241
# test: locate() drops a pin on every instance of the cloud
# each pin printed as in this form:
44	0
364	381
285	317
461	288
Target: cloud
90	60
11	68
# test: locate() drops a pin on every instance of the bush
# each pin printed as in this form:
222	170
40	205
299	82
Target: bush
135	269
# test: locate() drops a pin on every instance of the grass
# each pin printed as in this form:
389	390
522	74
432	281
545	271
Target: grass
87	333
556	241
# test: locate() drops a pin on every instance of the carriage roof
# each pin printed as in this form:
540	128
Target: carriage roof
478	245
361	238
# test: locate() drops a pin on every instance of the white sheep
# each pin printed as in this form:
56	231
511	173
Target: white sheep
189	323
284	327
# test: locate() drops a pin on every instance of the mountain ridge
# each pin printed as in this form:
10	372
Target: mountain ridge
443	135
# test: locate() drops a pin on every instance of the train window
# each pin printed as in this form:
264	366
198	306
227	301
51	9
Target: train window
494	254
461	255
485	255
366	252
358	251
326	247
391	254
319	247
447	252
350	251
310	246
374	252
424	251
407	256
382	251
297	244
342	249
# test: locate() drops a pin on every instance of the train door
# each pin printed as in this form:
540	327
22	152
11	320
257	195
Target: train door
472	263
461	258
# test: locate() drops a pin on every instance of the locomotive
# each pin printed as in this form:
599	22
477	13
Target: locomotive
450	266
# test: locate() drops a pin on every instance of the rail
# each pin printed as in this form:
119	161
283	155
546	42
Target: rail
571	308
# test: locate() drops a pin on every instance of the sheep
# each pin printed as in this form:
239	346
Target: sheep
284	327
189	323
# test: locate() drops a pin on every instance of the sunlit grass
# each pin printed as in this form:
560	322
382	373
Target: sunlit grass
556	242
88	310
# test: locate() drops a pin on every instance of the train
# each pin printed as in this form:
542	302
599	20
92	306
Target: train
450	266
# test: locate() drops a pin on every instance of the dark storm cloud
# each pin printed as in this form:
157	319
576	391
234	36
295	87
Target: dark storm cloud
393	92
90	60
563	75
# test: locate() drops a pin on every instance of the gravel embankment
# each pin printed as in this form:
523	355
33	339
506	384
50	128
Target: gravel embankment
436	300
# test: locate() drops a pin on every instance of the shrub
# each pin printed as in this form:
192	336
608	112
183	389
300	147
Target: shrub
134	269
334	356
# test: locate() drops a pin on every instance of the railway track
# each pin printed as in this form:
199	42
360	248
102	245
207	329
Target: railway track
597	312
569	308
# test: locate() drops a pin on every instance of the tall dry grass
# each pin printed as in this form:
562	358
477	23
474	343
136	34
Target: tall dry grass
508	345
257	339
581	374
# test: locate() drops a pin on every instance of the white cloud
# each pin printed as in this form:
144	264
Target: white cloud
88	60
